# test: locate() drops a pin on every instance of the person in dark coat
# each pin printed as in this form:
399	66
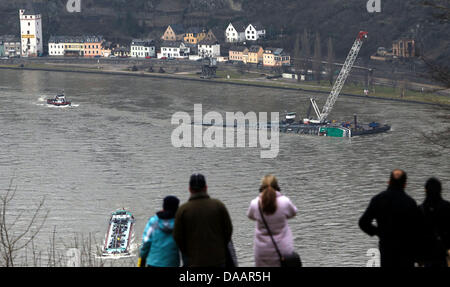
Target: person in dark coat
203	227
436	216
397	217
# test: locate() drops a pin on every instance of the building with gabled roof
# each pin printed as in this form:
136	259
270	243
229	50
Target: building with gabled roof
254	31
193	35
235	33
174	32
210	36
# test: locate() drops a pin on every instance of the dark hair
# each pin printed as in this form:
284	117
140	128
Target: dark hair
170	206
398	179
170	203
433	189
197	182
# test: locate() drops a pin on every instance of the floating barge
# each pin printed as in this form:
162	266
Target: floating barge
332	130
344	130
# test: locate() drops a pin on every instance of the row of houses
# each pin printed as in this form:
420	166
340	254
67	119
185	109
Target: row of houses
177	42
237	32
234	33
271	57
147	48
95	46
78	46
191	35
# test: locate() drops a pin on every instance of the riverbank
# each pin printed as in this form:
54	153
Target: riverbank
251	79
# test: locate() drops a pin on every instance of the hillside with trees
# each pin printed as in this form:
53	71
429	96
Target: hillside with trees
121	20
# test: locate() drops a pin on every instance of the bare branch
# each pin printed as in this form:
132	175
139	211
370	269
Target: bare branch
10	243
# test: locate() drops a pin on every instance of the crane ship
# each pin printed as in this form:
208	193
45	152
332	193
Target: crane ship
321	126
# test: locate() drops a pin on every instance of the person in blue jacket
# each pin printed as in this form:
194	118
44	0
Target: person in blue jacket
158	246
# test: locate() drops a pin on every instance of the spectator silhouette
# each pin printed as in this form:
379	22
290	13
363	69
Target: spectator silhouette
203	227
277	209
436	216
397	219
158	246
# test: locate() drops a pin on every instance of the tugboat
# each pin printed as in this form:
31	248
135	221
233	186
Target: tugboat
120	233
59	101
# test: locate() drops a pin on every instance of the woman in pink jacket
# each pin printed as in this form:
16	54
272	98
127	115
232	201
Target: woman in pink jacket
277	209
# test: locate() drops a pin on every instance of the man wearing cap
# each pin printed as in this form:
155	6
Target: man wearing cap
158	246
202	227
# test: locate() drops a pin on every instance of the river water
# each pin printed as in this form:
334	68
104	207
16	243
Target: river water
113	149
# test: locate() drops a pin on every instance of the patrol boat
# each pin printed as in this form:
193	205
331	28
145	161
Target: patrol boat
120	233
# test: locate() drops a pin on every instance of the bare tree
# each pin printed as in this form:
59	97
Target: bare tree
14	238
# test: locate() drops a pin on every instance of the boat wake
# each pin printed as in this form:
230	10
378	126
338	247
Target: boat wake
134	249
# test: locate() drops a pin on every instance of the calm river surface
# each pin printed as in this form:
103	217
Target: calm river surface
113	149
